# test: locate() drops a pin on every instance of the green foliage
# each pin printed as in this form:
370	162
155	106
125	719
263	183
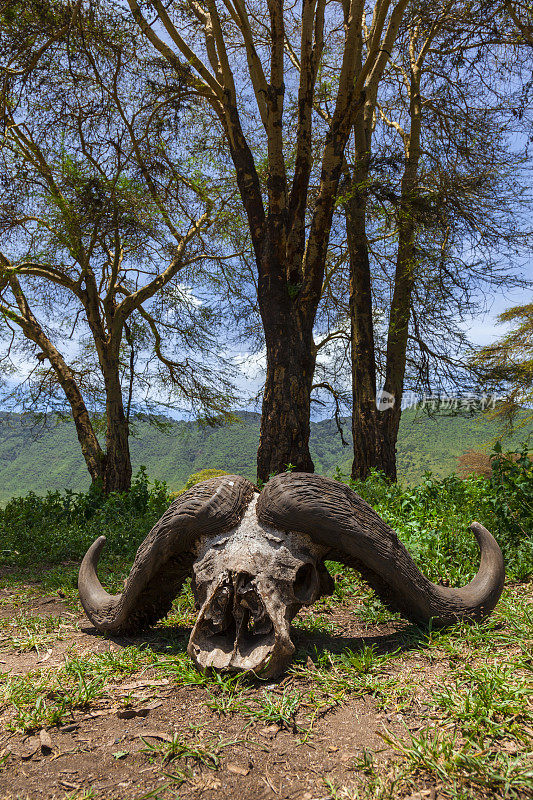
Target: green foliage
180	748
60	527
507	364
432	519
203	475
512	491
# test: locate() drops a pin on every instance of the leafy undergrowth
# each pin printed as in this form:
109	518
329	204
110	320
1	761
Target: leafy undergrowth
432	519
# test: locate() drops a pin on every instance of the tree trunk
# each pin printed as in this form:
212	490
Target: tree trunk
107	338
90	446
375	431
117	467
406	263
364	423
285	417
400	314
388	424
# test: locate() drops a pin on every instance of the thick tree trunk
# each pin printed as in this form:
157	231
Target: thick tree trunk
375	431
364	423
285	418
290	284
406	263
400	314
107	338
388	423
90	447
117	467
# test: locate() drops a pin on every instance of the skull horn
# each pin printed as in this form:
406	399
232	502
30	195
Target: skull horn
336	517
164	559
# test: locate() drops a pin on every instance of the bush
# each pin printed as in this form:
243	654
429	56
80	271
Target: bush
198	477
511	492
58	527
433	518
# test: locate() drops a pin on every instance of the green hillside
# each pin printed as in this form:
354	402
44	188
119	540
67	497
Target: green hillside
42	458
436	443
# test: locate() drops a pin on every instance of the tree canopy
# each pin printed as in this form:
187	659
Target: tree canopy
338	185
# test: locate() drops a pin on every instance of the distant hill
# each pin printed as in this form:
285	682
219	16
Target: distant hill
41	458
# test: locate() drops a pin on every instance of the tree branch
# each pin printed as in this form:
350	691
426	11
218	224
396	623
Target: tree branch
207	84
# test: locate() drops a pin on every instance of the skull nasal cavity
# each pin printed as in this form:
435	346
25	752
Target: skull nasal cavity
242	579
245	591
305	583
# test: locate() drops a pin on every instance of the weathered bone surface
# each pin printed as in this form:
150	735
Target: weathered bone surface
257	559
249	584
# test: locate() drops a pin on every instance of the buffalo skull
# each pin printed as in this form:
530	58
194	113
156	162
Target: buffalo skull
256	559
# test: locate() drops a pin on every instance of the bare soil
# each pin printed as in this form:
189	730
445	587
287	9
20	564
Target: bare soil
101	752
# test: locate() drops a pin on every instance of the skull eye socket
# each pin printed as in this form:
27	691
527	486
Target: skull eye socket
305	583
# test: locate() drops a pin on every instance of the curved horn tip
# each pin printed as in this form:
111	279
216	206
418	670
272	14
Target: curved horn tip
87	572
492	558
483	536
100	541
93	553
477	526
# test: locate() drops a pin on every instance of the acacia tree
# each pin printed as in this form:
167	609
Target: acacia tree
99	225
29	30
507	365
520	13
453	194
289	228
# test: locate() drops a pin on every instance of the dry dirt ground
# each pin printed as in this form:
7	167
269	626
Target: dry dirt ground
146	731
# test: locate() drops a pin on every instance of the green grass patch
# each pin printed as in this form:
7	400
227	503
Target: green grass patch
474	680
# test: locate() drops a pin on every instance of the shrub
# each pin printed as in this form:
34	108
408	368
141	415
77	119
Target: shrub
58	527
198	477
203	475
511	492
433	518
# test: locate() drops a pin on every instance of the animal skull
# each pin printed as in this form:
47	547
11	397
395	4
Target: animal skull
256	559
249	584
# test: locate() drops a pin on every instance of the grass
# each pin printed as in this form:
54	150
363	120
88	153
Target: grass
473	739
26	632
51	696
229	696
464	768
474	680
315	623
490	702
196	750
181	755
